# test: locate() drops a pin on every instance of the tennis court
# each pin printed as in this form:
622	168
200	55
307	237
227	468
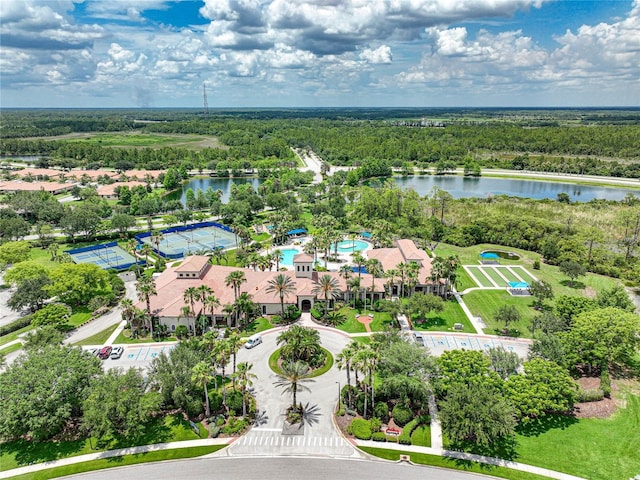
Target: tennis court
202	237
106	256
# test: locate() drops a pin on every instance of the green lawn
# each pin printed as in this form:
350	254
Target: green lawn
597	449
524	274
79	316
125	339
421	436
10	337
11	348
99	338
464	281
352	325
275	357
495	276
173	454
485	304
443	321
259	325
436	461
481	277
507	274
172	428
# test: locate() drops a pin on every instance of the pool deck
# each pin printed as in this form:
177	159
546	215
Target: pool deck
299	242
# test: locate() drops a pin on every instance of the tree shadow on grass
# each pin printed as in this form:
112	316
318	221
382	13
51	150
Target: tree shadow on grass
536	427
155	431
504	448
29	452
575	284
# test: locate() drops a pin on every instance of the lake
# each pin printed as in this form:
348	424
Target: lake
457	186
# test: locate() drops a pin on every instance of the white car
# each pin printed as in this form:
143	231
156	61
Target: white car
116	352
253	341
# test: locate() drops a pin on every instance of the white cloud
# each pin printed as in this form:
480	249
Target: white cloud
382	54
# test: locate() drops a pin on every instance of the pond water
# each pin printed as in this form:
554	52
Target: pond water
457	186
463	187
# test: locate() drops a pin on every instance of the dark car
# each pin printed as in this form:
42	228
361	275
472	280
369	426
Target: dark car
105	352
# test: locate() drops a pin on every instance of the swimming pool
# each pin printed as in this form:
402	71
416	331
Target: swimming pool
287	256
350	246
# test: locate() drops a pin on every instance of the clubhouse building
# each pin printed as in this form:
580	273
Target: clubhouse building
196	270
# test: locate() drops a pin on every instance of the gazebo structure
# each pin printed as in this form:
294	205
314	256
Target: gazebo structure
489	258
519	288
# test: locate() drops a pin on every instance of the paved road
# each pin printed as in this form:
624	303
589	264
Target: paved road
278	469
319	435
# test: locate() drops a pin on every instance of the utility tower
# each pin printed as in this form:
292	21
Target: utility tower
204	97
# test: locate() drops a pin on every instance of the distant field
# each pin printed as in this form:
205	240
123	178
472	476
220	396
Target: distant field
127	139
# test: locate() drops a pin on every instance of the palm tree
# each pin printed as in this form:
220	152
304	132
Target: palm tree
201	373
245	378
335	318
354	287
413	271
235	279
128	312
234	343
220	358
327	286
277	257
132	247
299	343
146	250
211	302
246	309
359	261
190	296
281	285
391	275
294	375
146	288
365	360
401	271
203	291
186	313
345	361
374	267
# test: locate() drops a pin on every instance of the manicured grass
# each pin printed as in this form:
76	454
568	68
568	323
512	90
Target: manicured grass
442	462
99	338
481	277
443	321
524	274
495	276
275	356
464	281
485	304
11	348
259	325
352	325
507	274
421	436
92	465
79	316
172	428
598	449
363	340
10	337
125	339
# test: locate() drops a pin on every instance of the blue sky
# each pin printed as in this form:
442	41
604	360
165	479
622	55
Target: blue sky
325	53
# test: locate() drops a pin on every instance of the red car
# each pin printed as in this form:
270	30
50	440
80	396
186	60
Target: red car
105	352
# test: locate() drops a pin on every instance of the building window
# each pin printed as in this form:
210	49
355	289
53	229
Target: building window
173	328
264	309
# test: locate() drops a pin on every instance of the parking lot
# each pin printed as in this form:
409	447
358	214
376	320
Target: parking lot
138	356
438	343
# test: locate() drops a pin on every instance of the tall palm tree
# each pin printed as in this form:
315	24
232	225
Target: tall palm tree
277	257
201	374
132	247
391	275
374	267
294	376
359	261
344	361
203	291
190	296
235	279
346	273
146	250
234	343
146	288
128	311
283	286
246	308
366	360
327	286
187	313
413	271
220	358
211	302
354	287
245	378
402	271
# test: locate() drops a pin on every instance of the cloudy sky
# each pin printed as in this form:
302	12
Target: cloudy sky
327	53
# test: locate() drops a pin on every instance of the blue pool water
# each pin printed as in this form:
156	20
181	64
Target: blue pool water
287	256
351	246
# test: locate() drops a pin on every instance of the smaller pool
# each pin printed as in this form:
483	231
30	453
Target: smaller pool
287	256
505	255
350	246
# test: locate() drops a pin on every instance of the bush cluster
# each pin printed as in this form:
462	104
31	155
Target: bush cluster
401	414
15	325
360	428
590	395
405	436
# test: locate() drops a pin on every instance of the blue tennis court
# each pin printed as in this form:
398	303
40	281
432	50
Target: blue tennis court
200	238
106	256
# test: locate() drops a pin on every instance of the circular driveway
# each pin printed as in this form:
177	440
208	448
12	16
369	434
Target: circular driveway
279	469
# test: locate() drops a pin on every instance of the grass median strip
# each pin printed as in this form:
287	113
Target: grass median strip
444	462
173	454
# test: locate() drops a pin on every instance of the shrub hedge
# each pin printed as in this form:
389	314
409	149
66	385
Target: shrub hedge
401	415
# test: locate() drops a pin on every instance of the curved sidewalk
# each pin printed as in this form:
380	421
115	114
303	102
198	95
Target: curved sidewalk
114	453
469	456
